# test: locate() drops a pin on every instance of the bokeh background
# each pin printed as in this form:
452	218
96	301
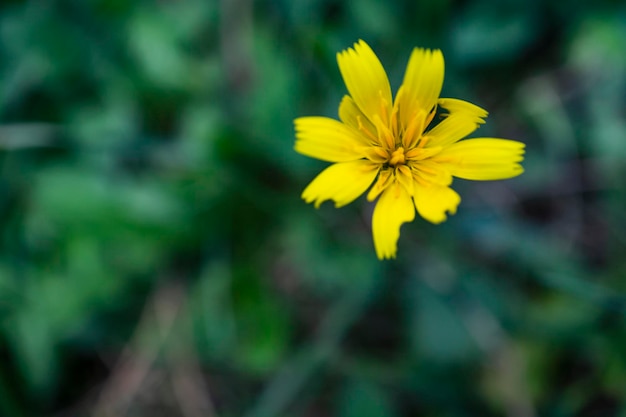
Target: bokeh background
156	258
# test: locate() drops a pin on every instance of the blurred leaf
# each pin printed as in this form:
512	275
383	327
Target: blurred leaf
34	345
109	124
9	293
437	330
156	50
271	108
558	320
330	259
29	135
72	201
374	18
363	399
262	330
212	312
596	54
200	127
492	35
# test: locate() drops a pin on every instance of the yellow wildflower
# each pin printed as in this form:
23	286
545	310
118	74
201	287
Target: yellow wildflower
388	143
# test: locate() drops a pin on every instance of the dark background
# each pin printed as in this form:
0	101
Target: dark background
156	258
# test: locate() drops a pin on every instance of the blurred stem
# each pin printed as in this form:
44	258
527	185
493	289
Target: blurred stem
291	379
129	374
512	380
192	393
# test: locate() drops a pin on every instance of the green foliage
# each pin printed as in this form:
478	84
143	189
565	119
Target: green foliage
156	258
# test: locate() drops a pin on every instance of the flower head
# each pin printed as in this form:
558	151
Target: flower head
389	145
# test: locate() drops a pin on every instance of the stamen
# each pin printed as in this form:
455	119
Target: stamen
414	130
432	174
418	154
376	154
384	179
423	141
405	178
395	111
384	134
363	129
430	117
397	157
414	153
418	179
427	122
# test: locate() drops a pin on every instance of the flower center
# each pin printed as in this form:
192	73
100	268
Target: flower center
397	157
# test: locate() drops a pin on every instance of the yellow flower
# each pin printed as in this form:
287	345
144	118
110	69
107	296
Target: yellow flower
390	144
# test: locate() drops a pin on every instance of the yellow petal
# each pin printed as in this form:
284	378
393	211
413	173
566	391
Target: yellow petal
483	159
433	201
366	80
456	106
429	172
350	114
342	182
392	210
405	177
384	180
376	154
327	139
451	129
422	83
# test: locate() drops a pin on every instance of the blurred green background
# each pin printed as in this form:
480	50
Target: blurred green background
156	258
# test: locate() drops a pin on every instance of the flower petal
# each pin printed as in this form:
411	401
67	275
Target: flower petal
366	80
422	83
429	172
394	207
327	139
456	106
483	159
350	114
463	119
385	178
342	182
451	129
433	201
